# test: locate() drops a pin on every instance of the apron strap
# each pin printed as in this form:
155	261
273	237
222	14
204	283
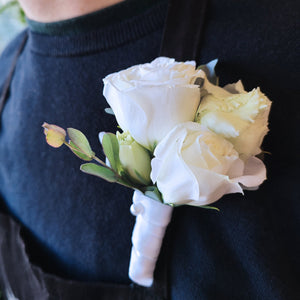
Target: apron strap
5	91
24	280
183	29
181	40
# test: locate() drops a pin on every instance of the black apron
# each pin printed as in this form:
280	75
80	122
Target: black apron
181	40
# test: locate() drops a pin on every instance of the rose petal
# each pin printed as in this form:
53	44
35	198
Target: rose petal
254	173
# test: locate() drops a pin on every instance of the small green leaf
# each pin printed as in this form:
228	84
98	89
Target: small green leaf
77	152
126	178
141	178
99	171
109	111
209	70
266	152
209	207
126	183
152	148
110	146
8	5
15	3
79	139
154	193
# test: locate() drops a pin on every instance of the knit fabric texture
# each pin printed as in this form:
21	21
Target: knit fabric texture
79	227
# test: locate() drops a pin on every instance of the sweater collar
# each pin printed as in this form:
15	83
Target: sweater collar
99	31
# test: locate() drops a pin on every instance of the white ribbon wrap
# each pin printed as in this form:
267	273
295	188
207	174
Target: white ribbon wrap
152	219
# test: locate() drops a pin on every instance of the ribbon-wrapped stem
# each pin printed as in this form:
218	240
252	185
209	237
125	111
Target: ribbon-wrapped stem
152	219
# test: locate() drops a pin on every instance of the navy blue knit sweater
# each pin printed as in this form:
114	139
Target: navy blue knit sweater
79	227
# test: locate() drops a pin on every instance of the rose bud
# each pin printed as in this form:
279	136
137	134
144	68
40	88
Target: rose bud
134	158
55	135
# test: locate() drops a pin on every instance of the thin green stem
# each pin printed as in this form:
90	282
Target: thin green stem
98	160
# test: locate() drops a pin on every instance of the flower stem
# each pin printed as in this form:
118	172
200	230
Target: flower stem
98	160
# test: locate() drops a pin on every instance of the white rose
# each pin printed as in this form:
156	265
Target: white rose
149	100
195	166
238	116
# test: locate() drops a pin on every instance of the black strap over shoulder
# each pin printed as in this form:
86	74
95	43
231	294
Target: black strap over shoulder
183	29
5	91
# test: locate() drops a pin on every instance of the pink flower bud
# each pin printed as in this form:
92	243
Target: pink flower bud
55	135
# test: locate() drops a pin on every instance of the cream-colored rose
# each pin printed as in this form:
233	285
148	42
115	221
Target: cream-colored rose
134	158
241	118
193	165
149	100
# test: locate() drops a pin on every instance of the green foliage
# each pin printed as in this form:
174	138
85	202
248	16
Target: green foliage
14	3
80	146
109	111
99	171
126	180
123	181
110	146
209	70
77	152
81	142
154	193
141	178
210	207
8	5
22	16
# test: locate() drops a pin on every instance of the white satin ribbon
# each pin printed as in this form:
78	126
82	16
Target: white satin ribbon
152	218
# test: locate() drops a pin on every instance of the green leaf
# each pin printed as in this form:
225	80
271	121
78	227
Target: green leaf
8	5
209	207
125	178
152	195
152	148
14	4
126	183
153	192
22	16
79	139
109	111
209	70
110	146
77	152
141	178
99	171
